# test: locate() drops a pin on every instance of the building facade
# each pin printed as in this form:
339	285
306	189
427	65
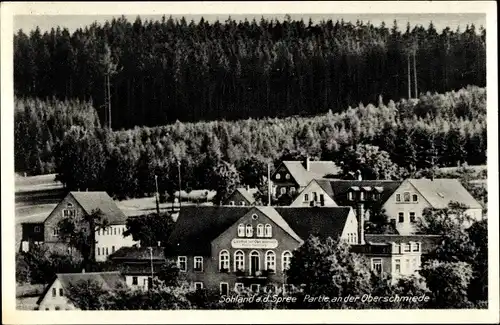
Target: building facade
242	197
408	202
76	206
238	247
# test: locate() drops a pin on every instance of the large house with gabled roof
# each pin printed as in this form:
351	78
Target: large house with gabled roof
76	205
291	177
407	203
227	248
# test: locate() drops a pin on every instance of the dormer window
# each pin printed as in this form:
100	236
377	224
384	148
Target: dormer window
278	176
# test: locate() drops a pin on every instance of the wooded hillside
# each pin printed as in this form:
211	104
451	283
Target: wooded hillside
168	70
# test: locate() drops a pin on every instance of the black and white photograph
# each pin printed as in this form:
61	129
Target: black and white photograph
246	160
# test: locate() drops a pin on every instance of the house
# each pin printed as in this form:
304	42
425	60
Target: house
137	264
77	205
227	248
329	192
55	294
406	205
291	177
242	196
395	254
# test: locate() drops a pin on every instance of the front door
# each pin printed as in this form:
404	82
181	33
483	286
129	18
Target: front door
254	264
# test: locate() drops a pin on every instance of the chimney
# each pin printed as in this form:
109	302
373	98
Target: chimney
307	164
83	270
159	243
248	188
360	178
361	223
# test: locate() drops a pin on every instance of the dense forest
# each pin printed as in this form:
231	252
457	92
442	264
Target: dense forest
158	72
435	130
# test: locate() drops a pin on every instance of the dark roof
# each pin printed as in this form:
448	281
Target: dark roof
317	169
90	201
248	194
198	226
143	268
429	242
108	280
337	189
319	221
439	192
138	253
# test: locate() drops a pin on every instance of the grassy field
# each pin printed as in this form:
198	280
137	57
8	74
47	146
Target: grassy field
36	183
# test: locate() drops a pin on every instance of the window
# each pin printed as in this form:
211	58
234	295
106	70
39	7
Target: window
242	203
398	197
401	217
238	287
69	213
268	231
407	248
350	196
270	261
416	247
377	265
283	190
58	308
375	196
292	190
37	228
198	285
56	231
397	248
278	176
270	288
135	281
255	217
362	196
407	265
107	252
249	230
239	260
260	230
61	293
306	197
224	288
241	230
412	217
114	231
112	249
69	205
54	292
98	251
47	308
145	282
414	197
397	266
224	261
231	203
198	263
406	196
287	176
393	221
182	263
413	264
255	287
322	199
285	260
315	196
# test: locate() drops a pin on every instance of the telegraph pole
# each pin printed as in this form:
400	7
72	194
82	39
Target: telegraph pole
268	185
156	196
152	272
180	187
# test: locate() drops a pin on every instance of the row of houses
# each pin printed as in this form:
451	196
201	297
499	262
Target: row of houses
241	244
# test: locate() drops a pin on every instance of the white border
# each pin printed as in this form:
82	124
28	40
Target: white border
10	315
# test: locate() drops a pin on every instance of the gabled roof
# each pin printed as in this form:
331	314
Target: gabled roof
138	254
248	194
90	201
337	189
198	226
272	214
318	221
317	169
439	192
108	280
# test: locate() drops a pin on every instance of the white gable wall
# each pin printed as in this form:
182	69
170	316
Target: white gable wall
307	195
110	240
53	299
350	232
